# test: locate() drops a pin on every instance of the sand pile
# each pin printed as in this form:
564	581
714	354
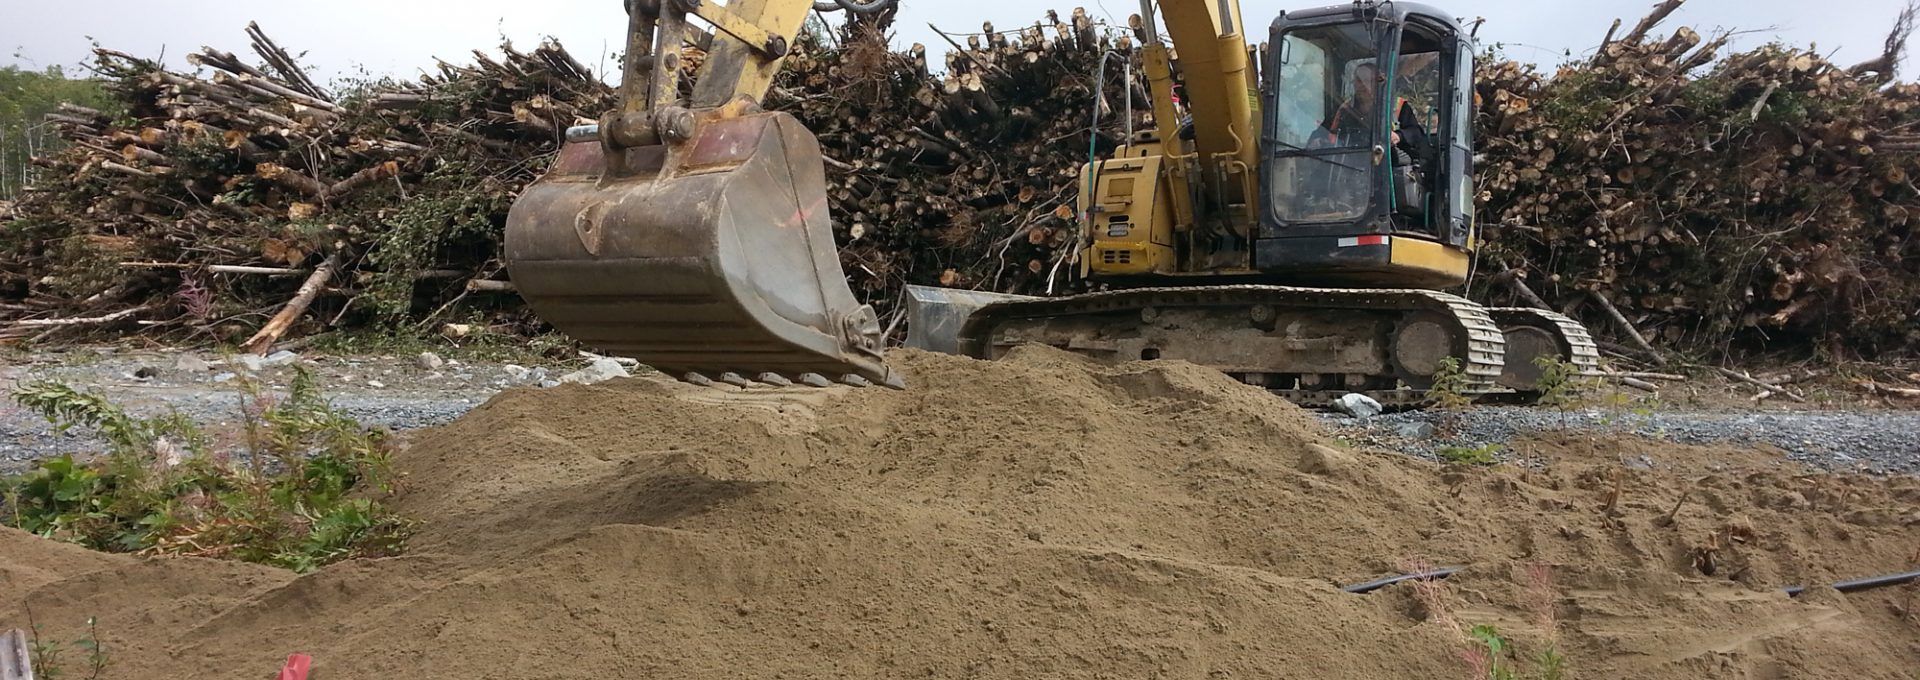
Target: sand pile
1039	517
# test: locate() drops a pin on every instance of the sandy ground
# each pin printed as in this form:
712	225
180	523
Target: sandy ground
1039	517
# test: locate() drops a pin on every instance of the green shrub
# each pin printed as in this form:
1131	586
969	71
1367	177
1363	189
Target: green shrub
1462	455
303	490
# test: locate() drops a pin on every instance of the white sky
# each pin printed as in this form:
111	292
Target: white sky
401	37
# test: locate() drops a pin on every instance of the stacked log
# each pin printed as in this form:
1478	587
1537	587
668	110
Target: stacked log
1763	199
202	197
1760	199
234	183
964	177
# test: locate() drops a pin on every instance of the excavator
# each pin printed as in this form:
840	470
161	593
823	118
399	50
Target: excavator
1290	218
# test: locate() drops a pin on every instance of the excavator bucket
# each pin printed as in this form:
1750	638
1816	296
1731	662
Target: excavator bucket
712	256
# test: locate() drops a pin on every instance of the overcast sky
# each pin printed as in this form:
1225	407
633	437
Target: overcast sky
401	37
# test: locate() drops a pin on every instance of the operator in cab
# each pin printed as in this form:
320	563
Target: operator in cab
1352	122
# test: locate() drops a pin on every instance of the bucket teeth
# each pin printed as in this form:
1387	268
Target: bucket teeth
775	379
735	379
856	381
697	379
815	380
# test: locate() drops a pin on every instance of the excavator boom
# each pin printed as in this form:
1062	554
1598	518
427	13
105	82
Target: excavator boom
693	234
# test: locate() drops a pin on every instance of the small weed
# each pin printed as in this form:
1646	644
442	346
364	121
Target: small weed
196	299
47	657
305	493
1495	657
1561	384
1563	387
1449	395
1462	455
1450	386
44	655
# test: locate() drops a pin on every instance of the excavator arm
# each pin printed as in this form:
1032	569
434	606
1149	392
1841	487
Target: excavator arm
693	234
1221	93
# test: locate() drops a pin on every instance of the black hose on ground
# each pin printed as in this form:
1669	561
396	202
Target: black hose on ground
1858	585
1853	586
1370	586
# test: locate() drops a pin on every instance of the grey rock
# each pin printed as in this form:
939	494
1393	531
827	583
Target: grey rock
601	371
515	372
280	358
429	361
224	377
1415	430
253	363
1359	406
191	363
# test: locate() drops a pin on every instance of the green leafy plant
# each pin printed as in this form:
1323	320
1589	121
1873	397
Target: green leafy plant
1494	658
1463	455
303	489
1450	389
1450	394
48	658
1495	653
96	652
1561	383
44	655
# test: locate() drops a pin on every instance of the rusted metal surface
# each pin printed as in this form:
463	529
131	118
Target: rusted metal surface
712	256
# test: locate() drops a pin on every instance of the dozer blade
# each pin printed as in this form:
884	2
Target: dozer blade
711	256
936	315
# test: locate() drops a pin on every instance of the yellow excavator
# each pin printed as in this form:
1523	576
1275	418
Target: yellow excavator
1289	218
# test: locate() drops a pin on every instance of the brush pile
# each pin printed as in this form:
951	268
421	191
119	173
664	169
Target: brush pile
1758	200
209	201
966	177
1766	197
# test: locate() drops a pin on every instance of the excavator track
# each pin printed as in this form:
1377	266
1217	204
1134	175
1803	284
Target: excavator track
1309	345
1532	333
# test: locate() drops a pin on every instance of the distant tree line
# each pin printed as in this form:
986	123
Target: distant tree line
26	97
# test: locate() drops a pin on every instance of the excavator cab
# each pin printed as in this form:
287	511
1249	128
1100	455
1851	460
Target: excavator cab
693	234
1367	168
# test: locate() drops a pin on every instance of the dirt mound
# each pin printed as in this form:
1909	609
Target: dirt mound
1036	517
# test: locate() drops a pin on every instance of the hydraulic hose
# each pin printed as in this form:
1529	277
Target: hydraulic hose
1370	586
1858	585
1853	586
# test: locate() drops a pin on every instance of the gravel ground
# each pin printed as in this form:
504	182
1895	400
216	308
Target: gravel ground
405	393
1879	442
392	392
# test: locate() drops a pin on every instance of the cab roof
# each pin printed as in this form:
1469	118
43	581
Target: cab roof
1387	10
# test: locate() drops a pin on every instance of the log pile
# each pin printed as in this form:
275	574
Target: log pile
965	176
215	199
1705	200
212	200
1758	199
